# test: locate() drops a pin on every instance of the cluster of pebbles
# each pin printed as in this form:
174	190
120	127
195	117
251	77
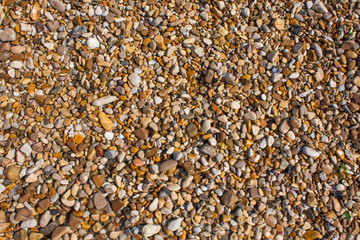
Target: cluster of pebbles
179	119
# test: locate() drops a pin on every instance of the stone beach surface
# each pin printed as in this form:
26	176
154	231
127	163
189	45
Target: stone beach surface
154	119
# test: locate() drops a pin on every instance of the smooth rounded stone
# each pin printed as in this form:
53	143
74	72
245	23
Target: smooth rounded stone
134	79
250	116
35	236
28	223
310	152
271	221
177	155
92	43
106	122
23	214
284	127
99	201
209	150
167	165
206	125
4	56
153	205
58	5
235	105
318	50
17	49
109	135
8	35
150	230
340	187
327	169
104	100
191	130
16	64
174	224
245	12
141	133
59	232
45	219
322	176
12	173
110	154
319	6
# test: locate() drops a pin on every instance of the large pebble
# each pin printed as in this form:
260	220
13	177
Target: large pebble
150	230
104	100
58	5
134	79
174	224
310	152
8	35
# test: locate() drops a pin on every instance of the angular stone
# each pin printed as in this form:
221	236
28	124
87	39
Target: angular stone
99	201
229	199
167	165
141	133
209	150
105	122
191	130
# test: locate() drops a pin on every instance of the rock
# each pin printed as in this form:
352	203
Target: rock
26	149
312	234
45	219
8	35
174	224
153	205
271	221
229	199
21	235
110	154
104	100
206	125
134	79
310	152
167	165
92	43
319	6
98	180
191	130
284	127
4	226
28	223
23	214
279	24
209	150
59	232
35	236
99	201
150	230
116	205
58	5
105	122
12	173
319	74
141	133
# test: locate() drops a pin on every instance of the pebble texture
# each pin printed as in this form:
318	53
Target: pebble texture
179	119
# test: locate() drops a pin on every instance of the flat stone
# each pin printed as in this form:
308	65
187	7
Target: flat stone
310	152
150	230
104	100
312	234
23	214
58	5
105	121
167	165
174	224
59	232
12	173
99	201
8	35
209	150
134	79
141	133
191	130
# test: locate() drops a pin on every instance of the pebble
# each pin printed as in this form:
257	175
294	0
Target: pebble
134	79
58	5
92	43
150	230
59	232
8	35
104	100
310	152
174	224
99	201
